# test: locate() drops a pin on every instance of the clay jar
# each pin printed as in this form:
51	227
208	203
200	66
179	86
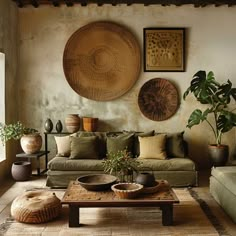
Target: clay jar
90	124
72	123
146	179
21	170
31	143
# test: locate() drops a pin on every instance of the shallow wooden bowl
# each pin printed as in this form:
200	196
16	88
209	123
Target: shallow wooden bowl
127	190
96	182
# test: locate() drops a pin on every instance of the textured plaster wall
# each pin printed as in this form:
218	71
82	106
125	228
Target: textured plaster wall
8	45
44	91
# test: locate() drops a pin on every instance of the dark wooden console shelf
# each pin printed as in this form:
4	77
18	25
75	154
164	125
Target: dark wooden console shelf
36	155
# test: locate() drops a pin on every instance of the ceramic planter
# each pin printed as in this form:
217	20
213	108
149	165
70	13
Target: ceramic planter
218	154
31	143
21	170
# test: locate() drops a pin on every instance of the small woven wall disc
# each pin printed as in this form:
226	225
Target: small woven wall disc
101	61
158	99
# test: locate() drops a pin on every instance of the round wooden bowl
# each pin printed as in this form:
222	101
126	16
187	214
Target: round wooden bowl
127	190
96	182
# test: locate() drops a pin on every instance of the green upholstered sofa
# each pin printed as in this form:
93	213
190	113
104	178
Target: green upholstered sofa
177	168
223	188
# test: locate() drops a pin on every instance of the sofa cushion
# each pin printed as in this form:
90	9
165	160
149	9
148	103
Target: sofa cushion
101	140
66	164
153	147
226	175
63	145
121	142
84	148
63	163
173	164
175	145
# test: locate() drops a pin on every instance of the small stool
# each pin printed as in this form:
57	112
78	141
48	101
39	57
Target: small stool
36	207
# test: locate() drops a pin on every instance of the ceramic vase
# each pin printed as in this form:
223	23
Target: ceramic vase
31	143
48	125
72	123
21	170
59	126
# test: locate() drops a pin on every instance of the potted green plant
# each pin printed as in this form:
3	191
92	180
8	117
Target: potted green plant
121	164
218	114
30	139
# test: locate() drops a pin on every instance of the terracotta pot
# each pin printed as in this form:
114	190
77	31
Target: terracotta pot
72	123
31	143
90	124
21	170
218	154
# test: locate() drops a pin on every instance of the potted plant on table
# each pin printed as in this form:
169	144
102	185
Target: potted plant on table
217	97
121	164
30	139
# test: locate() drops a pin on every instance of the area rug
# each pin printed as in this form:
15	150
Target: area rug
190	219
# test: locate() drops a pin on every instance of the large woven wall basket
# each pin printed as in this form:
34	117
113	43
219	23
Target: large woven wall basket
101	61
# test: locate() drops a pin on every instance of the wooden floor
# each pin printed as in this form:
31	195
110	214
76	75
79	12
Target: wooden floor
10	189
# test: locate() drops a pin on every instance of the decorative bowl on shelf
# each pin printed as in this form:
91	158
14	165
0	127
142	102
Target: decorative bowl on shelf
127	190
96	182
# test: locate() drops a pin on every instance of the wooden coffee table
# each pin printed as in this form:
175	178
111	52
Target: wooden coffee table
77	197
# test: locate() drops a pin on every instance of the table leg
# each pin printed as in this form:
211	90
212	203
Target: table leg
38	166
167	214
73	216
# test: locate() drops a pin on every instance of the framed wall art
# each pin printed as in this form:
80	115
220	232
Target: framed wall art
164	49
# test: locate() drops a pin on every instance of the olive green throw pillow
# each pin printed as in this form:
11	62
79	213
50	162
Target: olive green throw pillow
121	142
153	147
84	148
101	140
175	145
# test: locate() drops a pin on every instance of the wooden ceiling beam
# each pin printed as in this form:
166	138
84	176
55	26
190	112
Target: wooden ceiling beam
55	3
69	3
35	3
83	3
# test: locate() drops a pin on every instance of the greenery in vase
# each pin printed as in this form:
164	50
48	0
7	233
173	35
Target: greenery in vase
120	163
217	97
14	131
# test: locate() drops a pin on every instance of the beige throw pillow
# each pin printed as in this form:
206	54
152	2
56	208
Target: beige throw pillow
63	145
153	147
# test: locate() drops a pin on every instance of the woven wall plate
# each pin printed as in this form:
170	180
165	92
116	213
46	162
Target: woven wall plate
158	99
101	61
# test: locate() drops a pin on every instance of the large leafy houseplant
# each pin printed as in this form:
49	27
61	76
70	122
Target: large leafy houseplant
120	163
30	139
218	114
14	131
